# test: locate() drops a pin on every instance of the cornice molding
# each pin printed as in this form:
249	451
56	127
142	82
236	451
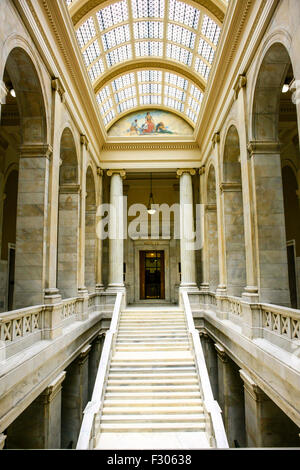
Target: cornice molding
78	13
210	207
69	188
150	146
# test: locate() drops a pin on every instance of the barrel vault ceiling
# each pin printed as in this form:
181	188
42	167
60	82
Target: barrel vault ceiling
148	53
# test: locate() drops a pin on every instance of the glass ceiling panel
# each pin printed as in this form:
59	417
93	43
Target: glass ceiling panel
149	87
126	30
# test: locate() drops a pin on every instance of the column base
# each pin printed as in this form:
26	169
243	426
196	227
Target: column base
52	295
221	290
82	291
204	287
99	288
189	286
251	295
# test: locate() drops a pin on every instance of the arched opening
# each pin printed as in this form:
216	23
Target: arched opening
22	146
274	122
212	231
90	232
233	215
68	218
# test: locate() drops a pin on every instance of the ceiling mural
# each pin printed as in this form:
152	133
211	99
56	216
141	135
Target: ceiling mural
150	122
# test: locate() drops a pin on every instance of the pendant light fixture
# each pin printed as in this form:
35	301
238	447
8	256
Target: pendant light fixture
151	200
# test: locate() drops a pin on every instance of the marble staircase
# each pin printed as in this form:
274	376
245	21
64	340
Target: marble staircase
152	398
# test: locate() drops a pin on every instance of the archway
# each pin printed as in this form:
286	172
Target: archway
68	218
212	231
90	232
266	156
23	138
233	215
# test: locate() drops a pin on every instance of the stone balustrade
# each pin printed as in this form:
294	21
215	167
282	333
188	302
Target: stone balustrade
20	329
277	324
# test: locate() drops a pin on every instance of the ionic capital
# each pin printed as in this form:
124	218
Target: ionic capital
122	173
181	171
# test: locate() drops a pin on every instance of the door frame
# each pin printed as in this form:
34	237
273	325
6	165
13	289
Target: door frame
151	245
142	274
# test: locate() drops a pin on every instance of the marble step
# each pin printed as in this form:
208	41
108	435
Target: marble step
142	395
153	441
152	381
152	427
165	370
150	410
151	388
142	348
181	403
152	375
154	418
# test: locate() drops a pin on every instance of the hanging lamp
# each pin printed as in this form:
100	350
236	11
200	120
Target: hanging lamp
151	200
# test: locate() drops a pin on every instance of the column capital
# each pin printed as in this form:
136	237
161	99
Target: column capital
181	171
230	187
84	140
69	188
100	172
83	355
221	353
202	170
54	387
58	86
263	147
2	440
253	389
36	150
216	138
122	173
240	83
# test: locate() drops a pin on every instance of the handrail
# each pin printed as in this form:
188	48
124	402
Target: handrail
211	405
94	406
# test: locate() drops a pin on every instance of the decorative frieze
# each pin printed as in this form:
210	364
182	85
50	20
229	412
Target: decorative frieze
125	146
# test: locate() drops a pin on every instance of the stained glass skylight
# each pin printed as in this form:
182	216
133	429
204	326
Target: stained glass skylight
173	31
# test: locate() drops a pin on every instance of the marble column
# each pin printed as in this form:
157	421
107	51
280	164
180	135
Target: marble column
211	361
74	399
31	229
116	230
99	241
251	290
231	399
52	294
267	192
187	253
94	360
266	424
82	290
39	426
222	287
204	286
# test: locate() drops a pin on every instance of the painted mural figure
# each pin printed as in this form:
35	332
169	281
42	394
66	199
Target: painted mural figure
149	126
